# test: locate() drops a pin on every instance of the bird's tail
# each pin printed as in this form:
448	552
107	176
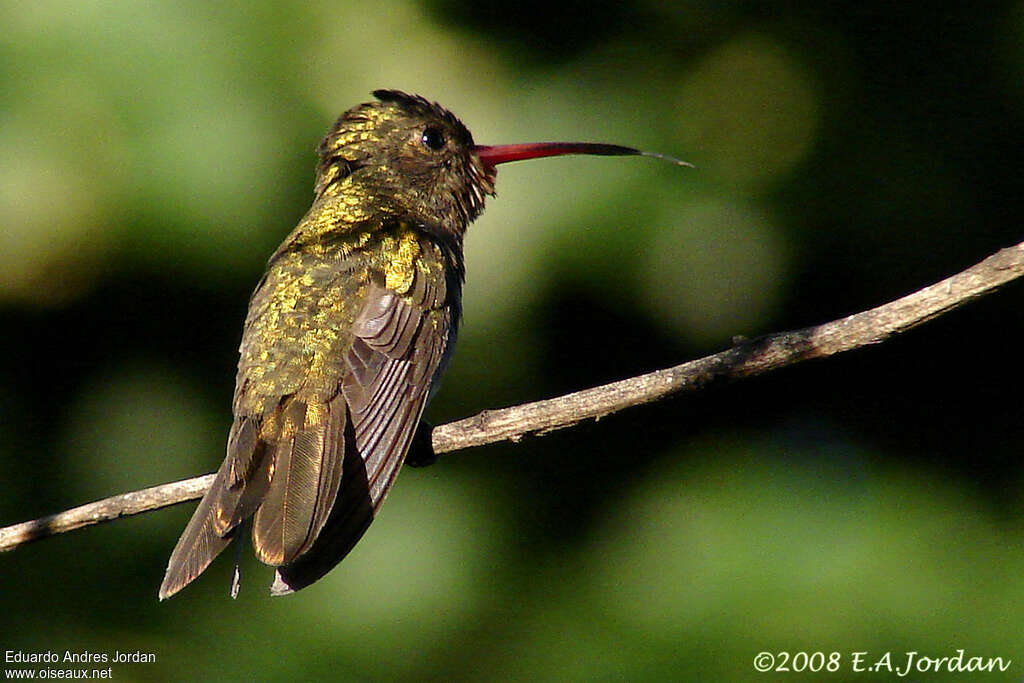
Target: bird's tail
236	492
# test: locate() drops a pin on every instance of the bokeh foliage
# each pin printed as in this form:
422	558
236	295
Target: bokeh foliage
153	154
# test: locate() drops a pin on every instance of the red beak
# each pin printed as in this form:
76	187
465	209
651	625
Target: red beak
500	154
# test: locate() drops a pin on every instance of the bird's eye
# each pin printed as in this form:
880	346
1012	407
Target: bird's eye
433	137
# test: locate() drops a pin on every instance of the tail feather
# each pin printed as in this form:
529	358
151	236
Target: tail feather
350	517
200	542
304	483
286	471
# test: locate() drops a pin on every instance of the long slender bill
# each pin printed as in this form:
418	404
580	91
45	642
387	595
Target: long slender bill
492	155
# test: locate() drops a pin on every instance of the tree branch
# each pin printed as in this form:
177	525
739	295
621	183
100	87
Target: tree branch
745	359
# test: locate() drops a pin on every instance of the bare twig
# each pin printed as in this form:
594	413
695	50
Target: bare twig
747	358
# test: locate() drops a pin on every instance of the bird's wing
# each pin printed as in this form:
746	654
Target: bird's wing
399	343
291	458
276	429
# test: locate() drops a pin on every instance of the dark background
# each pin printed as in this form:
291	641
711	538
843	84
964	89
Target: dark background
153	155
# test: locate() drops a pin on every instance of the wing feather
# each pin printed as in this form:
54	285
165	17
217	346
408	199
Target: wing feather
313	464
385	407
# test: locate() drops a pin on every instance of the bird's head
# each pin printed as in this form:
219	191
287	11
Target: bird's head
421	160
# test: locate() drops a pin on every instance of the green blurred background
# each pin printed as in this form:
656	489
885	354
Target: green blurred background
152	155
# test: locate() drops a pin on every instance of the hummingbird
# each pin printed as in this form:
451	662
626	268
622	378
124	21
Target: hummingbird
347	336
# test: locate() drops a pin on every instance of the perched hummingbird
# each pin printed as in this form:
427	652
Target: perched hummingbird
347	336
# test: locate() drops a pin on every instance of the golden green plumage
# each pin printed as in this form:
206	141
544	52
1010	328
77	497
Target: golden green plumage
346	336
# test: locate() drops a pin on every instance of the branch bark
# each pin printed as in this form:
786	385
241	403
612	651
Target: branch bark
745	359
